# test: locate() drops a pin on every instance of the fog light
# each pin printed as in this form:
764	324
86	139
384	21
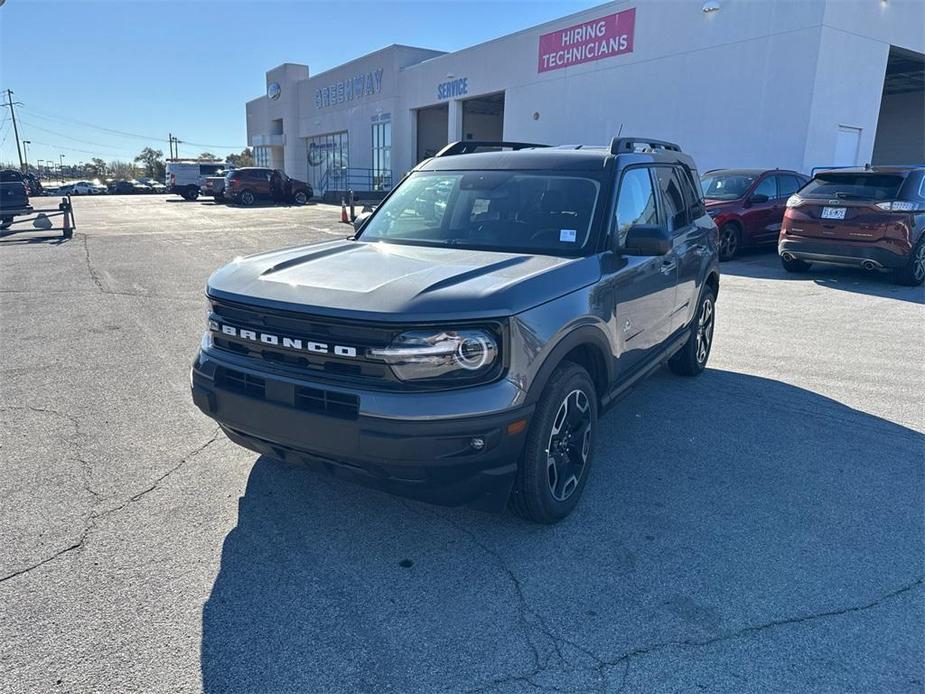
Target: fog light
477	444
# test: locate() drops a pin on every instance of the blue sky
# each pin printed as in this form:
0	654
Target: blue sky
146	67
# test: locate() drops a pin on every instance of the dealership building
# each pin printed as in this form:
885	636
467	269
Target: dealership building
737	83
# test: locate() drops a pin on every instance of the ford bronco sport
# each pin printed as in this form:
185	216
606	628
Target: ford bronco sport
461	346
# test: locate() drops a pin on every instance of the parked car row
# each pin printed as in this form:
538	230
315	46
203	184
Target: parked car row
870	217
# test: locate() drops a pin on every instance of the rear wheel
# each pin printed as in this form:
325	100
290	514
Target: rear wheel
246	198
559	448
191	194
729	241
6	222
913	274
794	265
691	360
299	197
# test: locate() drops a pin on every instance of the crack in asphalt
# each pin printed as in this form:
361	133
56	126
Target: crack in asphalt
92	518
93	275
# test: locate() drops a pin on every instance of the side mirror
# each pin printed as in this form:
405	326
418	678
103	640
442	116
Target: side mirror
647	239
360	221
758	199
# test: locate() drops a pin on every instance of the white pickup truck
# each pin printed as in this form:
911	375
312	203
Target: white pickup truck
184	176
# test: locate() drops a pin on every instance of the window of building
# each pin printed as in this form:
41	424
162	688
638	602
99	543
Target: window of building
635	202
328	161
263	156
382	155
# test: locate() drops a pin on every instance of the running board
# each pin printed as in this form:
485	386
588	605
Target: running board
623	388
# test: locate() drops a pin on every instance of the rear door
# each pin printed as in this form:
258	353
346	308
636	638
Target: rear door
843	205
691	248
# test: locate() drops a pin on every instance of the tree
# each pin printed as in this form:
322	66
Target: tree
99	167
209	156
153	161
245	158
121	169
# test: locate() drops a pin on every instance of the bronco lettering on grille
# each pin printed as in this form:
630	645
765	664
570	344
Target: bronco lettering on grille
282	341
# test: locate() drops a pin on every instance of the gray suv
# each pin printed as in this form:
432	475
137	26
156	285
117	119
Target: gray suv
461	346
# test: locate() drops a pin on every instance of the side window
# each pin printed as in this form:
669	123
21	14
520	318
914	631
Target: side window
767	187
675	208
635	202
787	185
692	194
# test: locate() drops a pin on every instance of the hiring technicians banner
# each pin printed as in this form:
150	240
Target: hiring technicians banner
589	41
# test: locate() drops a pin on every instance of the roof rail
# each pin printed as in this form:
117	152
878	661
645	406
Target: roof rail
623	145
470	146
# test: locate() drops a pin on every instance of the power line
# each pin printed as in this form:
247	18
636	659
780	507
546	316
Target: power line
40	114
69	137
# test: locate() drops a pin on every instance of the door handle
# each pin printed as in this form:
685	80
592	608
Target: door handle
668	266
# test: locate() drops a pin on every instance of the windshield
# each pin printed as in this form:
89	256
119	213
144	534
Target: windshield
490	210
725	186
853	186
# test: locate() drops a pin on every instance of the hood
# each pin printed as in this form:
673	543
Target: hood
711	204
391	282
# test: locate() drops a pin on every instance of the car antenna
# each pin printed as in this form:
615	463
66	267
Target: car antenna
620	131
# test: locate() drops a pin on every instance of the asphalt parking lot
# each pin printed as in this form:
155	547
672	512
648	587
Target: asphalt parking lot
760	528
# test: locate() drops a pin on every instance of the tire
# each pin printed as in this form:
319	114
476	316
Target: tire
6	223
692	358
246	198
548	487
730	239
219	198
795	265
299	197
191	194
913	273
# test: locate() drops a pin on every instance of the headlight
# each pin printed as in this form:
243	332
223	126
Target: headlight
794	201
443	354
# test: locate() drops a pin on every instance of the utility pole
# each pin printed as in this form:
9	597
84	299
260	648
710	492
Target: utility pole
25	154
9	100
170	144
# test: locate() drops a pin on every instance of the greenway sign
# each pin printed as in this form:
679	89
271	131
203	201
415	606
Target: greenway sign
350	89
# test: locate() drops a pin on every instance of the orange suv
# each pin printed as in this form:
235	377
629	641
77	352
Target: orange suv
872	217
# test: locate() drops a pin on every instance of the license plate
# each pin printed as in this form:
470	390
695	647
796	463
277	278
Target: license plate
833	212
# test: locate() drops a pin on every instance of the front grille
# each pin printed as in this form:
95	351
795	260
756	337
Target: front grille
315	400
360	336
243	383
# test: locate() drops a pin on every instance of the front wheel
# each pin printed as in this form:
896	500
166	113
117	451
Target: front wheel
728	241
191	194
6	223
299	197
913	273
559	447
691	360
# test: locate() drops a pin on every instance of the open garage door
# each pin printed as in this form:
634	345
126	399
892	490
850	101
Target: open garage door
483	118
433	125
901	126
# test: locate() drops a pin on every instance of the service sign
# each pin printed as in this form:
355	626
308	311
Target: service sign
593	40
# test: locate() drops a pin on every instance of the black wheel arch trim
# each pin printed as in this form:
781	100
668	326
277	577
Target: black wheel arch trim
582	336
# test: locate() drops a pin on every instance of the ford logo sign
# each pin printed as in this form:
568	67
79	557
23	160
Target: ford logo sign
273	90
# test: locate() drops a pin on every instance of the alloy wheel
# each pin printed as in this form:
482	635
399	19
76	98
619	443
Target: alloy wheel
918	263
705	331
728	242
569	445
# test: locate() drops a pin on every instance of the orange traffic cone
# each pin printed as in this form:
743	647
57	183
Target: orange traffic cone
343	213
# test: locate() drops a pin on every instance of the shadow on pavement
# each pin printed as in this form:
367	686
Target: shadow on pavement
716	504
823	275
6	238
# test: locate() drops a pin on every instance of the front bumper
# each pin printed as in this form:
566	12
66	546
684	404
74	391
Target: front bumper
840	252
416	455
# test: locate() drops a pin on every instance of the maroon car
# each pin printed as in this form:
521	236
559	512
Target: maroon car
250	184
748	205
873	218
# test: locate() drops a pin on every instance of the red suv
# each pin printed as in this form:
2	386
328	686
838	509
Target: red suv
872	218
250	184
748	205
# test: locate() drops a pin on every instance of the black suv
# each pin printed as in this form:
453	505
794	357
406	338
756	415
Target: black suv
460	347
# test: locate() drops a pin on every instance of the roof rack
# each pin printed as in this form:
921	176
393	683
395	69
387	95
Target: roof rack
470	146
623	145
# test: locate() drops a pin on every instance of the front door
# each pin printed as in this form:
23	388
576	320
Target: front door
643	286
759	218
